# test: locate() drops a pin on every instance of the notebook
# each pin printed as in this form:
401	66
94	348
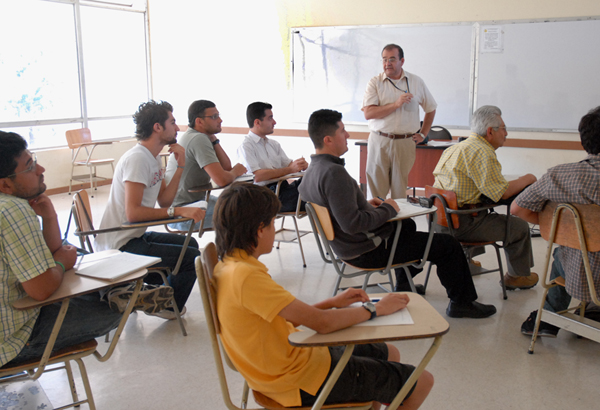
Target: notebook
115	266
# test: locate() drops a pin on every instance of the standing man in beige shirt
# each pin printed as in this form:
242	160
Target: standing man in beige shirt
391	104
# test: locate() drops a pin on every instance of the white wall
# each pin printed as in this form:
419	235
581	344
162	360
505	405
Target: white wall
234	52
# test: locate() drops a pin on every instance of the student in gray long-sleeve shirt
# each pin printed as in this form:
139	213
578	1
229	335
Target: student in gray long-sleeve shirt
361	227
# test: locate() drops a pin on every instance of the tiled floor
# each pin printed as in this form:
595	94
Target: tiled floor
481	364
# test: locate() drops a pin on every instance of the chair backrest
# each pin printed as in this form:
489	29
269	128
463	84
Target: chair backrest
78	136
205	265
443	200
568	217
324	219
82	211
438	132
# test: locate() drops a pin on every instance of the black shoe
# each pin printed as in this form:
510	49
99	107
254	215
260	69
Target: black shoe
405	287
474	310
545	330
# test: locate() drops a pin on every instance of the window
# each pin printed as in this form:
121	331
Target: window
55	77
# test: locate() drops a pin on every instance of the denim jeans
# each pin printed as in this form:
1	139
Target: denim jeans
184	226
167	246
87	318
557	299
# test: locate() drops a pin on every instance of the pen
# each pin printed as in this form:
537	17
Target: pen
383	200
375	300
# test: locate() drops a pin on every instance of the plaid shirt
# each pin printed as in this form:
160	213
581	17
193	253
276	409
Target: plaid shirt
25	255
471	169
577	183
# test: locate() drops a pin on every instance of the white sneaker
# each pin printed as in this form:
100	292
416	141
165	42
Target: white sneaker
167	314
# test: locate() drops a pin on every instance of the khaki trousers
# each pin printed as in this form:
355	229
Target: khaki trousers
388	164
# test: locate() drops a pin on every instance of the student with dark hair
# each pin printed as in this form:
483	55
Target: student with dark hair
264	157
576	183
205	160
257	316
33	262
138	184
361	228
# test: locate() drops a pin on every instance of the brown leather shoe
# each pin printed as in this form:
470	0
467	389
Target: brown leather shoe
520	282
476	263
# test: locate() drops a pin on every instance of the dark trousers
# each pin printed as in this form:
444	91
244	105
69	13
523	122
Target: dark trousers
445	252
167	246
288	195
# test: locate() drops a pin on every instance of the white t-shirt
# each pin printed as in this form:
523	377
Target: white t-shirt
136	165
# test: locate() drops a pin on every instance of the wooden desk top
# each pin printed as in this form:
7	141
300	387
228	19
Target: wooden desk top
74	285
408	210
283	178
213	186
427	323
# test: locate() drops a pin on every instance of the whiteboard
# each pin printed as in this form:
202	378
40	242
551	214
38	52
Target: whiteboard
547	75
332	66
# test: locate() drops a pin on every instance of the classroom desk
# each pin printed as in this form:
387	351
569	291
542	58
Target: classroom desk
212	186
147	224
74	285
428	323
421	173
407	211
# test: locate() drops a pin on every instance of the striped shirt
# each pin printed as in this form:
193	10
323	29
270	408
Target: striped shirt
471	169
576	183
25	255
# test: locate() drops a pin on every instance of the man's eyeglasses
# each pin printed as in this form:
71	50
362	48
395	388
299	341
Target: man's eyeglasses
390	60
30	168
212	117
497	128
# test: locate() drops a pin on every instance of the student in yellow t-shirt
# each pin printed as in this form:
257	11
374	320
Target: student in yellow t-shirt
257	316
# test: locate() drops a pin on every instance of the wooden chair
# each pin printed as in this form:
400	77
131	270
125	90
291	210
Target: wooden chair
82	138
205	265
70	287
447	216
85	229
287	235
574	226
35	368
321	222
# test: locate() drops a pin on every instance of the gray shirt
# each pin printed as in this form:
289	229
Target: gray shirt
358	226
199	152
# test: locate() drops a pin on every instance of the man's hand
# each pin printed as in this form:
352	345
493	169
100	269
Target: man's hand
67	255
393	203
391	303
179	152
42	206
238	169
298	165
405	98
348	297
417	138
190	212
375	202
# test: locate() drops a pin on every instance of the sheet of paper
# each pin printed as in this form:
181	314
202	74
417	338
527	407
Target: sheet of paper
116	266
435	143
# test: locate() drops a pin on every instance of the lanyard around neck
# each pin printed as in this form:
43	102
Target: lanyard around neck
396	87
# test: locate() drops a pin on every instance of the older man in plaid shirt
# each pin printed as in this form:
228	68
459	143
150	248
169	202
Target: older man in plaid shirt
472	170
574	183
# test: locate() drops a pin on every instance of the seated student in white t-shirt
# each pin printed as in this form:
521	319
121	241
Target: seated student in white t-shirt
138	184
257	316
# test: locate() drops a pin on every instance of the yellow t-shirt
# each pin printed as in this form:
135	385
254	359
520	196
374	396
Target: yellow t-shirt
256	338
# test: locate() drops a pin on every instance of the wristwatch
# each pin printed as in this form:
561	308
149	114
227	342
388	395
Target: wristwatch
370	306
421	134
171	211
